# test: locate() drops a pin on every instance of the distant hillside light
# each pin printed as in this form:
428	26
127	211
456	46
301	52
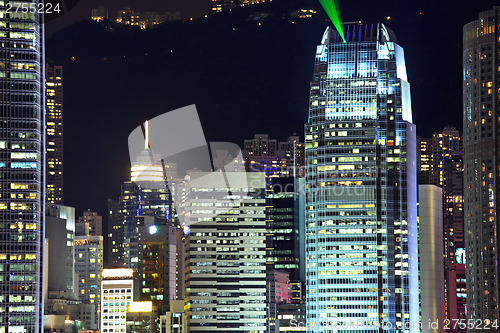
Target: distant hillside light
332	9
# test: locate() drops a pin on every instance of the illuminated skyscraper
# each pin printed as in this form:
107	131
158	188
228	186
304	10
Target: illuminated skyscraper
226	253
481	118
147	194
22	124
440	164
54	133
361	222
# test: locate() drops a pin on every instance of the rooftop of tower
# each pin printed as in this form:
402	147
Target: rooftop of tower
359	33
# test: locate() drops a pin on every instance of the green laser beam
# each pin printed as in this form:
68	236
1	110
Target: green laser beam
332	9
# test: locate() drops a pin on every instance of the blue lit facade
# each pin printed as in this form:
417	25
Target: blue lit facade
22	156
361	226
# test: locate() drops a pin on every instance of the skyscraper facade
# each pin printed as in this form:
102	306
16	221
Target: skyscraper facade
440	164
225	268
22	123
54	133
481	163
147	194
361	223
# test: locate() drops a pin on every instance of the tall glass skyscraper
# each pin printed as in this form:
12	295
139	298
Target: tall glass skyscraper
481	164
21	164
361	222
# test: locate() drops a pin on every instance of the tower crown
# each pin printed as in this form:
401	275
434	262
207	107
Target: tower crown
359	33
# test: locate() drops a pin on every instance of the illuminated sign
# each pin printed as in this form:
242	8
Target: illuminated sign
460	255
140	307
117	272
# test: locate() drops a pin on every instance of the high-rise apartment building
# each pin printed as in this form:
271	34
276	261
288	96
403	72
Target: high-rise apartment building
89	267
94	222
481	118
424	156
275	159
227	5
114	245
361	219
22	159
440	163
99	14
54	133
225	252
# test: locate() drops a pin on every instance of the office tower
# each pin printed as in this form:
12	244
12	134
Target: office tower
361	223
94	222
146	194
116	290
432	284
282	224
89	267
160	269
114	248
60	234
481	161
54	133
225	252
22	142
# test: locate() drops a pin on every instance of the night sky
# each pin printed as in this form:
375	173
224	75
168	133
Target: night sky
187	9
254	79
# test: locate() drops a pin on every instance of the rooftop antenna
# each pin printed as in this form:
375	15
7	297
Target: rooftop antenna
332	9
